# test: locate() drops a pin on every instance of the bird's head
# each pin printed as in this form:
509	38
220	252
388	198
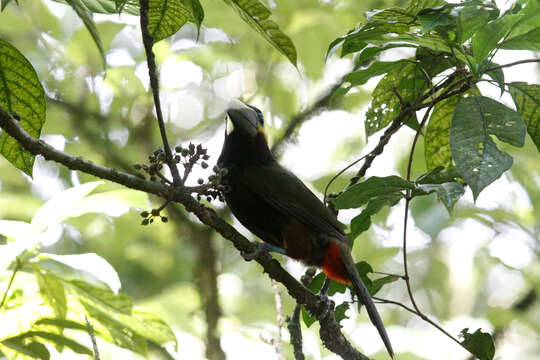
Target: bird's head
245	140
243	120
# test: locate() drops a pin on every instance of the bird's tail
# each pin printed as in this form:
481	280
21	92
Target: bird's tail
364	296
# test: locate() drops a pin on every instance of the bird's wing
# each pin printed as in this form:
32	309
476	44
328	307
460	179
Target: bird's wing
283	190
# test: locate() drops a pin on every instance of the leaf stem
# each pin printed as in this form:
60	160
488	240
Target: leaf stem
15	269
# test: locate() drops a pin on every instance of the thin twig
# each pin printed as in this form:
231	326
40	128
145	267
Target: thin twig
148	42
406	215
277	343
293	324
92	337
421	315
405	222
512	64
15	269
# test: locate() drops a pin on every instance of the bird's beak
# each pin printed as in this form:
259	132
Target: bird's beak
242	117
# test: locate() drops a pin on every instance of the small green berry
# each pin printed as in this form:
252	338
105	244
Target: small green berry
164	219
145	214
200	181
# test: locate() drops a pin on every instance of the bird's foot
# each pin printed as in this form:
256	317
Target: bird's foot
327	304
261	248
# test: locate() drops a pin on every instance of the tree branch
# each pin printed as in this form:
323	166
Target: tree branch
330	331
148	42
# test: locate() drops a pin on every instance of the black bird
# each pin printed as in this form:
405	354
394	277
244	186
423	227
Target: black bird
277	207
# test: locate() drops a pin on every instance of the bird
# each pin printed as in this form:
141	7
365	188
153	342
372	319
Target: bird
276	206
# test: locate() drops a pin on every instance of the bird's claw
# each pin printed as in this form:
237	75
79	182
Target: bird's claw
259	249
328	305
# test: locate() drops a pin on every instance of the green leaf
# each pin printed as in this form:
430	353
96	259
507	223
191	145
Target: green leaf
361	193
360	77
437	135
62	323
33	349
527	100
52	291
385	104
370	52
115	311
497	75
416	5
256	15
197	12
527	41
437	18
109	6
475	154
86	18
449	192
61	206
339	312
379	283
378	24
166	17
4	3
487	37
307	317
480	344
473	16
88	267
362	222
21	93
316	284
438	176
57	339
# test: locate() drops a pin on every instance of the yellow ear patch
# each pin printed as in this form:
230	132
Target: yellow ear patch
229	126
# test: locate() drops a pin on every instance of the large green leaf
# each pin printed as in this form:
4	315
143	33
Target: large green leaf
21	93
115	311
17	346
527	100
488	37
52	291
527	41
385	105
89	267
362	222
88	21
256	15
361	193
197	12
475	154
56	339
437	136
109	6
166	17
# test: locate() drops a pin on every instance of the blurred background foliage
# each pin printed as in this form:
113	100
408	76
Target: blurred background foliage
471	268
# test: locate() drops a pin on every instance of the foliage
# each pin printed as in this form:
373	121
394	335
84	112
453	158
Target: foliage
72	288
433	86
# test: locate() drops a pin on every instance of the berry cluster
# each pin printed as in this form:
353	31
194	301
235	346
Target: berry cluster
187	157
215	188
148	217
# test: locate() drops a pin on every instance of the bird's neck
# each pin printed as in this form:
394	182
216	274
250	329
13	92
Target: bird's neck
241	150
